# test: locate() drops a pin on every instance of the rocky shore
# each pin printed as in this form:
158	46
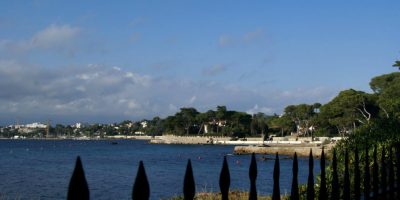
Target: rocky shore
289	150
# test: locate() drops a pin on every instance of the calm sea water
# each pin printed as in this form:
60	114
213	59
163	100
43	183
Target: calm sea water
41	169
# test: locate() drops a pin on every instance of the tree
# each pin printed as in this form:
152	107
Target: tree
155	126
389	100
350	109
387	89
239	123
301	115
211	116
221	112
188	118
283	123
59	129
259	124
221	116
316	107
396	64
170	125
380	83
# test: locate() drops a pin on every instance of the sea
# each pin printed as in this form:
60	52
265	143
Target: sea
41	169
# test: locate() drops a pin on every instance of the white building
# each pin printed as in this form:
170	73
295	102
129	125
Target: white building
144	124
35	125
78	125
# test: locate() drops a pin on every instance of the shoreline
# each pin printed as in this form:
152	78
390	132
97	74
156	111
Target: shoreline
287	150
281	146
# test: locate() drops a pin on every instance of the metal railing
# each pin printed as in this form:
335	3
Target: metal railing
384	181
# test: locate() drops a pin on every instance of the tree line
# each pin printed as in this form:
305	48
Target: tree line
344	114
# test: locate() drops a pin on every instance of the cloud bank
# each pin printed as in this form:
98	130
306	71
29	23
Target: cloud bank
109	93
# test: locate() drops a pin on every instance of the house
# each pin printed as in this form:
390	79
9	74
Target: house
36	125
144	124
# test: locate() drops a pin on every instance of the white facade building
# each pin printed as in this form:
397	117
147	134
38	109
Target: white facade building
36	125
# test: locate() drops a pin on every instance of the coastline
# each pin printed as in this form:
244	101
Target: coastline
283	146
288	150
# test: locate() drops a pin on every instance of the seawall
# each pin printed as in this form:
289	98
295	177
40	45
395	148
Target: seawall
171	139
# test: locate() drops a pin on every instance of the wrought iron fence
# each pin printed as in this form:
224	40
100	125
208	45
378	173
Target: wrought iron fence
384	181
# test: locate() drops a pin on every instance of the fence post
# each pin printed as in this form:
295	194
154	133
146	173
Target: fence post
391	174
276	193
322	189
346	182
141	188
224	180
294	194
335	181
310	182
78	188
383	175
357	194
253	177
398	169
375	174
189	188
367	181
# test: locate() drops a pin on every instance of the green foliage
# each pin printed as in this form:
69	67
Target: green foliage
380	133
349	110
155	127
304	117
221	122
259	124
380	83
281	125
396	63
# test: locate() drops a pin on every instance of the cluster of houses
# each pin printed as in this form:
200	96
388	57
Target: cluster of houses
38	129
27	128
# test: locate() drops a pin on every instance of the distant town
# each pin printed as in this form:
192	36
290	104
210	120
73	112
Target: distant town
78	130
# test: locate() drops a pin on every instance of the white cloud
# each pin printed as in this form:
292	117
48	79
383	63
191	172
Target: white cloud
55	36
192	99
103	93
257	109
62	38
139	79
117	68
87	76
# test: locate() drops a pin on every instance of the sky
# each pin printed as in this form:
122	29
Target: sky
96	61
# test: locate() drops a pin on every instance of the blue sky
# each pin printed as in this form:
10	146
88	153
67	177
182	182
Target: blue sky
94	61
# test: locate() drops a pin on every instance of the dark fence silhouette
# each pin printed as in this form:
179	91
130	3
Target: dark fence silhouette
385	179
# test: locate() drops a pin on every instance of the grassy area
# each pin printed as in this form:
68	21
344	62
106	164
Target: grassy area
237	195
